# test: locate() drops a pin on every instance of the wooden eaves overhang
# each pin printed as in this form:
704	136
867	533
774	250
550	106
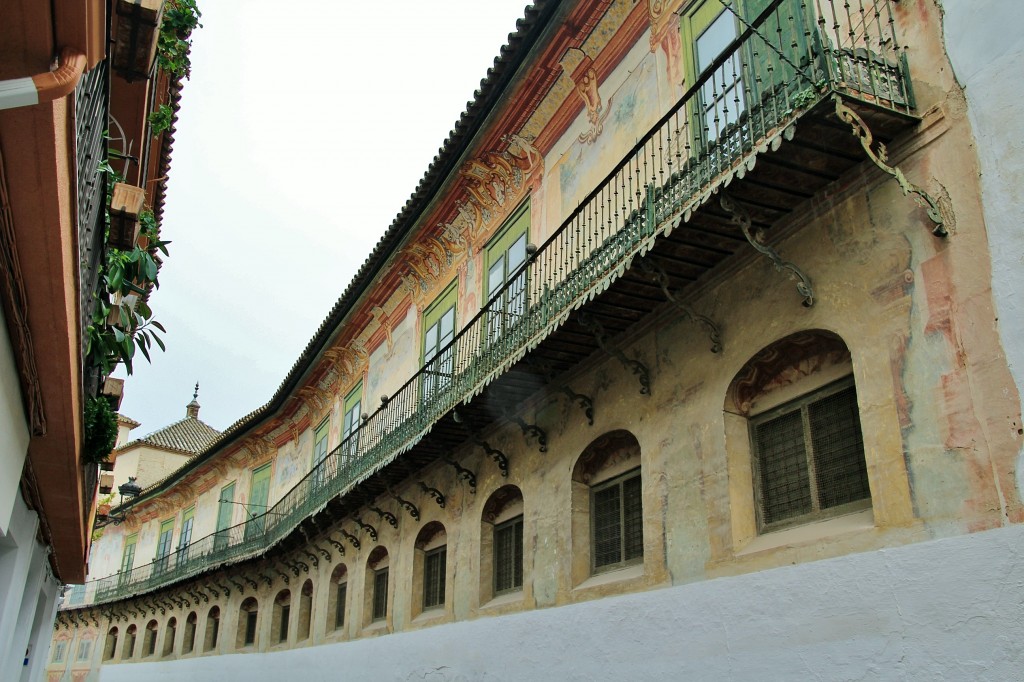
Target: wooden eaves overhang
681	203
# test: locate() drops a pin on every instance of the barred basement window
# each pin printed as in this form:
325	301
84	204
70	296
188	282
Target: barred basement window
380	594
508	556
433	577
809	458
617	522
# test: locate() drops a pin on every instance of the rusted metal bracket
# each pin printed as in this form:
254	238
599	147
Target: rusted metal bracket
881	157
367	527
497	455
584	402
660	277
529	430
741	217
638	369
463	473
352	539
434	493
386	515
414	512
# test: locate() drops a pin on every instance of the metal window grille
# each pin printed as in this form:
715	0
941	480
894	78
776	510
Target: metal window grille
339	608
250	627
433	577
809	457
508	556
282	633
617	522
380	594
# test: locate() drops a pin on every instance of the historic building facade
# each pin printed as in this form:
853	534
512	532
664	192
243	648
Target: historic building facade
683	358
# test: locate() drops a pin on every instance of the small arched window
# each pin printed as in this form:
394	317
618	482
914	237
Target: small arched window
212	634
282	616
337	600
806	445
110	645
248	620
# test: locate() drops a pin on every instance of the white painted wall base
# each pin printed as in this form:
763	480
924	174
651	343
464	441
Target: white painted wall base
946	609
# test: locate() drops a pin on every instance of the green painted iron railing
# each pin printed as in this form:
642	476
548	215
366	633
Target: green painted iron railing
783	60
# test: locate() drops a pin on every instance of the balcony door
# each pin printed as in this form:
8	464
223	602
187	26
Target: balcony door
259	495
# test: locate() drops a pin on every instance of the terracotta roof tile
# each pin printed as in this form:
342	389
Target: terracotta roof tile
189	436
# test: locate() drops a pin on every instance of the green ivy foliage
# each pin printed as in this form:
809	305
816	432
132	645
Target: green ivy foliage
100	430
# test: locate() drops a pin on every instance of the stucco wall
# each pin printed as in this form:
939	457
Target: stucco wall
985	45
866	616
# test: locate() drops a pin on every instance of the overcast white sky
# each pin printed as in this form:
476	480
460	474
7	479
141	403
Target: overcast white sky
304	129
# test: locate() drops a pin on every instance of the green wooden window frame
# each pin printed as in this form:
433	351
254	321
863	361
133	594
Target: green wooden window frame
187	523
128	552
808	458
259	497
225	510
616	522
439	325
351	421
380	594
163	544
508	556
505	254
755	71
434	575
320	441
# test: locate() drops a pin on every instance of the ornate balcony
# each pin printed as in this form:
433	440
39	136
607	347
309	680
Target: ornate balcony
804	93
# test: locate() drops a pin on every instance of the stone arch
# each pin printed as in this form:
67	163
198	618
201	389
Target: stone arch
149	642
377	586
211	635
110	644
170	634
607	506
430	568
793	436
501	543
337	598
305	611
248	624
188	642
280	620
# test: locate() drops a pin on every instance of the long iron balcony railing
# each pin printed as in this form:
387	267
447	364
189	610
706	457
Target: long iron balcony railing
783	61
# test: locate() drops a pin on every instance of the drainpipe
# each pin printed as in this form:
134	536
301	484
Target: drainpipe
44	87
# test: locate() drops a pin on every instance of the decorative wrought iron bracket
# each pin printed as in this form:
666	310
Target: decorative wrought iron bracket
251	582
529	430
352	539
284	576
881	157
660	277
337	545
500	458
313	559
463	473
386	515
434	493
213	590
367	527
414	512
584	402
323	552
741	217
240	586
638	369
225	589
268	580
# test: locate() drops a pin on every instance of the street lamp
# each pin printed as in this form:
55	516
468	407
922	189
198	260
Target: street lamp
128	491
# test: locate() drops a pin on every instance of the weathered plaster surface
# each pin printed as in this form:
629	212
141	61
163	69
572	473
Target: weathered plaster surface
866	616
985	45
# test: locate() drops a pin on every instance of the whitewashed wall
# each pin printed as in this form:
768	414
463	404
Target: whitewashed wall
946	609
986	47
